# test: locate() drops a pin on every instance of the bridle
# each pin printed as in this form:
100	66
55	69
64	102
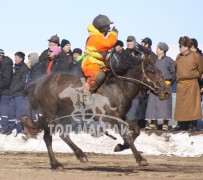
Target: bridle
154	88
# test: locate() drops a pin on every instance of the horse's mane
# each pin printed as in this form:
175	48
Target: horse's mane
120	63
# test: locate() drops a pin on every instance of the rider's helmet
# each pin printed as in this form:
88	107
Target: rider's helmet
101	21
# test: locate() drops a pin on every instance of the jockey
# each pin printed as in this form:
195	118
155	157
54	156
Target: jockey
97	46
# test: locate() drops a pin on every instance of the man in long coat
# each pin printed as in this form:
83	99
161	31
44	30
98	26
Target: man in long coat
161	109
189	67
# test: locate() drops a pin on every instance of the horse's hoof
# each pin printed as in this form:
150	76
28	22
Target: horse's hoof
83	159
57	167
141	152
117	148
143	163
120	147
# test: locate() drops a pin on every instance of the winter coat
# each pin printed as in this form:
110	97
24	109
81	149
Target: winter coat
62	55
167	66
34	74
59	65
97	46
6	71
18	80
66	57
74	68
188	102
162	109
43	56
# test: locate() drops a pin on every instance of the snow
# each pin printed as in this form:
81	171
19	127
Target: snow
180	144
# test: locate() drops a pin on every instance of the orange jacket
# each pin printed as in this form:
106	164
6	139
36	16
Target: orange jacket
97	46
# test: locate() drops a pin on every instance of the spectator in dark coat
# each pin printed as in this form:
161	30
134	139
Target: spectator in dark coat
147	42
119	46
74	67
16	104
66	52
33	58
53	41
6	71
33	75
54	62
194	47
35	68
139	103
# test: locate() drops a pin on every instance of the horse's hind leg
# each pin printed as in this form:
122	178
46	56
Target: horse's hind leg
77	151
48	141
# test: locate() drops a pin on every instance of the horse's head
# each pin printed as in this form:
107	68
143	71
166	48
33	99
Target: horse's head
136	67
154	78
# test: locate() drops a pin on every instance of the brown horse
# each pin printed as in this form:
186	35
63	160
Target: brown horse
135	75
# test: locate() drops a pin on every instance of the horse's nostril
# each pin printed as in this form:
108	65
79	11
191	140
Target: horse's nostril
167	94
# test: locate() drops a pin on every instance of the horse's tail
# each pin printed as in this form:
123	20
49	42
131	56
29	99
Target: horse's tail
29	91
29	88
30	127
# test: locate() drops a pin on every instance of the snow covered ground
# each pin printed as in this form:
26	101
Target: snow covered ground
180	144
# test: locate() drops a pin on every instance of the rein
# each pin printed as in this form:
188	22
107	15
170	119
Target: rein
155	88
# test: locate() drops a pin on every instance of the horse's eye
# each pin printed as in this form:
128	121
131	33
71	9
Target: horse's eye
152	71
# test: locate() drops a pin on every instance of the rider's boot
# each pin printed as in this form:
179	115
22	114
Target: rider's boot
92	84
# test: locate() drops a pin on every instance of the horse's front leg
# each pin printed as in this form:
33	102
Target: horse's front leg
129	142
141	160
135	132
48	141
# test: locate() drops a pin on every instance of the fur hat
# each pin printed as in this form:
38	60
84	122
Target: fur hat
54	39
185	41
